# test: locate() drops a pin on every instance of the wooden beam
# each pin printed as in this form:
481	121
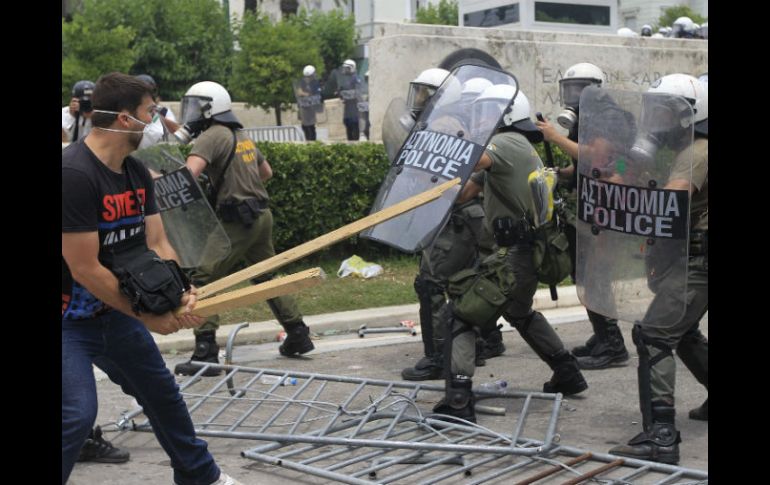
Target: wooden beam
327	239
264	291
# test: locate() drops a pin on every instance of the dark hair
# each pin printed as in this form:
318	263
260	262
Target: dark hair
115	92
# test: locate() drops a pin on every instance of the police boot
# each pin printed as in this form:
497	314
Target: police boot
660	443
206	350
492	344
297	340
566	377
428	368
459	400
606	352
701	413
585	349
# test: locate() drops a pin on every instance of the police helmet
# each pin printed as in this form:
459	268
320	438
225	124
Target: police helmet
207	100
646	30
308	70
576	79
693	90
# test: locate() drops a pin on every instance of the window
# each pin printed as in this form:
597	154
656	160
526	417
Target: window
570	13
507	14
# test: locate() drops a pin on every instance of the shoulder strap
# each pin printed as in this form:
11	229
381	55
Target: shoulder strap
215	187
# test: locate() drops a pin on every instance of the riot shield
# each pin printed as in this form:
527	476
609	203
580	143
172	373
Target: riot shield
396	125
634	168
446	142
191	226
310	105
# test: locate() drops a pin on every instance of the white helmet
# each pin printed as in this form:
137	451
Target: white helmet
205	100
575	79
657	35
518	114
423	87
308	70
626	32
646	30
681	26
349	66
688	87
473	87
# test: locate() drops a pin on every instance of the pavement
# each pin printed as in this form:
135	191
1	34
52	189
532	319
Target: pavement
599	418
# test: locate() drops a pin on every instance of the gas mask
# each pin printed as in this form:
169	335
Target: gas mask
663	124
567	118
195	117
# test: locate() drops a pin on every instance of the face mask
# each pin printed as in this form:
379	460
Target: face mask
145	128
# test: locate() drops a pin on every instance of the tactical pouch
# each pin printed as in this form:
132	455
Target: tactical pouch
153	285
477	297
551	254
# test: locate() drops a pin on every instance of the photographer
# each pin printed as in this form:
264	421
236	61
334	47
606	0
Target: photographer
76	118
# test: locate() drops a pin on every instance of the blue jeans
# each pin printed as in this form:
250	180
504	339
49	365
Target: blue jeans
122	347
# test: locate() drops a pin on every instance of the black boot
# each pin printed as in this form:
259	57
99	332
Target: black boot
459	401
492	344
297	340
606	352
206	350
427	368
660	443
585	349
566	377
700	413
99	450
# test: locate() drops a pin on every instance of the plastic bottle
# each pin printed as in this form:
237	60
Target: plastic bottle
496	386
270	379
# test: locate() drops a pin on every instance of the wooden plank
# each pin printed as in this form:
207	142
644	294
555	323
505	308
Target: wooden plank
264	291
325	240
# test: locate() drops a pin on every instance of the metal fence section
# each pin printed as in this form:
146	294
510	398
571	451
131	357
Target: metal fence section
276	133
363	431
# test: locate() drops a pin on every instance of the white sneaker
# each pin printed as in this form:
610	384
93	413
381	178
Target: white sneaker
225	479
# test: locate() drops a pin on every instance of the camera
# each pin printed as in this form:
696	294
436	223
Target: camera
85	104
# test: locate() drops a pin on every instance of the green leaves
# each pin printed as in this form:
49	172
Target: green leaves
445	13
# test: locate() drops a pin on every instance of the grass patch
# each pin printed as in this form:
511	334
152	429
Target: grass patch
393	287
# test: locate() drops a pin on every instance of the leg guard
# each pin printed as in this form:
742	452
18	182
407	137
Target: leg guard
423	289
694	352
459	401
644	372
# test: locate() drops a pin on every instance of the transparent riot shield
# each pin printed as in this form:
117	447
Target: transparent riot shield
191	226
634	171
446	142
396	125
310	105
362	96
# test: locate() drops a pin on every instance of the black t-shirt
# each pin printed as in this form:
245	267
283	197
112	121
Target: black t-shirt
94	198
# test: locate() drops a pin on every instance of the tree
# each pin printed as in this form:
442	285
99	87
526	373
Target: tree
333	32
672	13
270	56
443	14
89	51
177	42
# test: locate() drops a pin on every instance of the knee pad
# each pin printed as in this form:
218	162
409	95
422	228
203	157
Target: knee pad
521	324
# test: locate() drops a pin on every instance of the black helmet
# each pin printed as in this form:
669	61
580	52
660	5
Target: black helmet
148	79
82	88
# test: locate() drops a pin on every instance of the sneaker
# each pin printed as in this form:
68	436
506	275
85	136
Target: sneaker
225	479
206	350
297	341
99	450
604	354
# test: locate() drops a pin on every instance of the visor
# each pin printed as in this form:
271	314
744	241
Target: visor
193	108
660	115
419	94
570	89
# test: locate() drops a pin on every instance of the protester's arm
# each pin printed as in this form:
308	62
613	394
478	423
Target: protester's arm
80	250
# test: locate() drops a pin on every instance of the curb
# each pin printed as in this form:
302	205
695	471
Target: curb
341	322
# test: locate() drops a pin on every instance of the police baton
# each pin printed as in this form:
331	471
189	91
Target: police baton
548	163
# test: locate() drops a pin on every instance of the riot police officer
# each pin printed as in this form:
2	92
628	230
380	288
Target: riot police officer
606	346
662	330
506	281
456	247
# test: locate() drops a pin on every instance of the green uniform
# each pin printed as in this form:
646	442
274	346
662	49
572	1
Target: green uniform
240	184
660	337
510	269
